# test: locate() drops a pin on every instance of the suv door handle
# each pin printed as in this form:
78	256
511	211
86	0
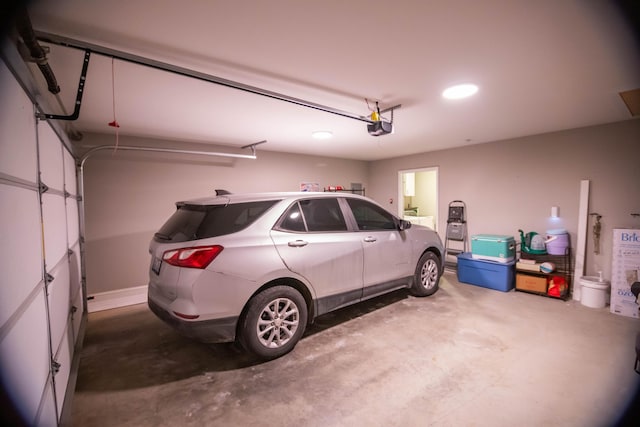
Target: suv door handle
370	239
298	243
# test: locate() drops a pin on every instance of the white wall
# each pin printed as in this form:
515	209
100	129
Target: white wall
129	195
511	185
507	185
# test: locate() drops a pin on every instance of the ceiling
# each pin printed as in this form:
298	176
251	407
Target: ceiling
541	66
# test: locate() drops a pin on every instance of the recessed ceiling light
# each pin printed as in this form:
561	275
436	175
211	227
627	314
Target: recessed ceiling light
322	134
460	91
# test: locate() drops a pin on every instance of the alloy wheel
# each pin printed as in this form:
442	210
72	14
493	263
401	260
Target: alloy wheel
278	322
429	274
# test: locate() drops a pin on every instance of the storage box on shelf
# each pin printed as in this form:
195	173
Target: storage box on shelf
530	283
554	284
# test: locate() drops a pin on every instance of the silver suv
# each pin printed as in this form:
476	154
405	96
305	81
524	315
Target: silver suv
260	267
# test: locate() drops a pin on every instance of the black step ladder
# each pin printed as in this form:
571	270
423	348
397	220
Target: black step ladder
456	241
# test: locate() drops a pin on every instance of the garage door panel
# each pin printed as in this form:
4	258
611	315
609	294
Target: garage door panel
75	278
63	357
75	283
73	224
21	249
55	231
48	409
76	317
35	318
50	150
18	155
70	182
24	352
59	302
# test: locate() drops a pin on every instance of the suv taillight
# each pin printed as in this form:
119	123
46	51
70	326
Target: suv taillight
198	257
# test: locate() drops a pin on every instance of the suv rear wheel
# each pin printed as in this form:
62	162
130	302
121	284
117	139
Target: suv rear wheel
274	322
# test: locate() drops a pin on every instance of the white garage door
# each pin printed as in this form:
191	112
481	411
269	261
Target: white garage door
41	301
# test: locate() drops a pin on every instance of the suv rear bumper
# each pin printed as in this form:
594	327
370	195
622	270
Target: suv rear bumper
207	331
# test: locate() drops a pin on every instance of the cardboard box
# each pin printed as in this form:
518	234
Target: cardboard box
488	274
623	302
535	267
527	282
625	268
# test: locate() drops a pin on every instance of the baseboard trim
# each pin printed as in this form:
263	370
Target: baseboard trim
114	299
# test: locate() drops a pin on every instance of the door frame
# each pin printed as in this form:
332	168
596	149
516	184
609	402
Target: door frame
400	204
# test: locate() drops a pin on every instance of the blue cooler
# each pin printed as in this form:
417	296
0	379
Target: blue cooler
488	274
493	247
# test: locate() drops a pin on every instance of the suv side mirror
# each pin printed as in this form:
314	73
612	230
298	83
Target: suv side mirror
404	225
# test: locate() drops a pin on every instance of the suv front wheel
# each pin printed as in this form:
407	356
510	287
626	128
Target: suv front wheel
274	322
427	275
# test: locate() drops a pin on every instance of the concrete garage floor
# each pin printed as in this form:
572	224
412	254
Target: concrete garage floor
467	356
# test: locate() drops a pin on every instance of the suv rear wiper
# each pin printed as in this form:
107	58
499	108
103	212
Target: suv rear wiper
162	236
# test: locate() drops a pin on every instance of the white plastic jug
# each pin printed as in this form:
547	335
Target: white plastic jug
537	243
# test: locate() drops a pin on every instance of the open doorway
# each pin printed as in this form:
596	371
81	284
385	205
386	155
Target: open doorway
418	192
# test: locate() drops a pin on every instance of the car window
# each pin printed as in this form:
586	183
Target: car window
323	214
292	219
370	216
193	222
317	214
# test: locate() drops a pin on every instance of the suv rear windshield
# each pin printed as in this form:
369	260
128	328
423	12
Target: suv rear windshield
193	222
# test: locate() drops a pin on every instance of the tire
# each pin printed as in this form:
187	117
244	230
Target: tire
427	275
274	322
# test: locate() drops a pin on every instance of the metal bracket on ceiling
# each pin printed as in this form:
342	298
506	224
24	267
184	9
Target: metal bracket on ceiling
253	146
79	93
391	109
395	107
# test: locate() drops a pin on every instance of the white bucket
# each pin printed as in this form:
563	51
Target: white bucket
594	292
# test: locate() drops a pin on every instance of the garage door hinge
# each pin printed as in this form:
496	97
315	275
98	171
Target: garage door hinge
71	196
48	278
55	367
42	187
